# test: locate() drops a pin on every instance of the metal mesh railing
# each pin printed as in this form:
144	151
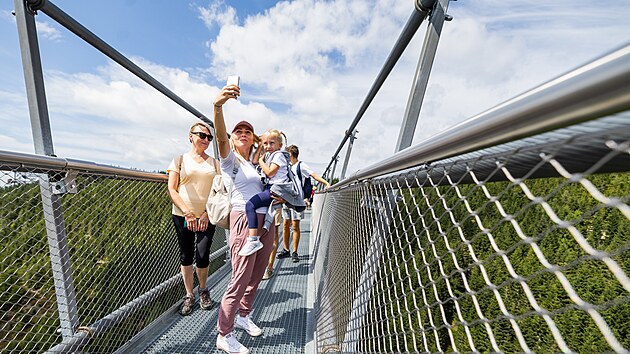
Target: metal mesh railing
87	270
522	247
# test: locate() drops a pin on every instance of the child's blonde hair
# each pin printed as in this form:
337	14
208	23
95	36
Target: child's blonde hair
276	135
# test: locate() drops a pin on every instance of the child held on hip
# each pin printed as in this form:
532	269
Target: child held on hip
274	167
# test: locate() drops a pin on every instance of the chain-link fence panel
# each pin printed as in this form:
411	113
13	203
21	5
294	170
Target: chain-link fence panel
522	247
88	259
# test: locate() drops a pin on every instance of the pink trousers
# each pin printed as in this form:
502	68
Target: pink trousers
247	272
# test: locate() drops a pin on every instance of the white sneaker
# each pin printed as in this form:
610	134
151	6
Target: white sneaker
250	247
230	344
268	274
248	325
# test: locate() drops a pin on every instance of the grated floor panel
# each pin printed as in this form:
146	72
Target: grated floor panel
280	310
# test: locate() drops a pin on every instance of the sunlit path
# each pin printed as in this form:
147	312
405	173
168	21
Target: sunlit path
281	310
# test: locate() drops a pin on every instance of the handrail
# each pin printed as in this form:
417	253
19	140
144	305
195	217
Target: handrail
594	90
75	27
420	12
62	164
84	333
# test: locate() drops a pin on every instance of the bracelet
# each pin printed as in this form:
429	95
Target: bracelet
217	106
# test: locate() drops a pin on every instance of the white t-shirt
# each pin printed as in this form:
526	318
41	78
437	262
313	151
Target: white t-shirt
246	184
304	168
282	175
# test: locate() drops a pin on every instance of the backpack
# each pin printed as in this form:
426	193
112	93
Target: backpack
307	186
290	191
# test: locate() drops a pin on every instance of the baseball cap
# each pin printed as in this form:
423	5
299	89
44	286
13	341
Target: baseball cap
245	124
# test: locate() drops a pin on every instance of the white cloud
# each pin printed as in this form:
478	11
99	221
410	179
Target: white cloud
316	58
7	16
15	134
217	14
47	31
306	67
17	144
122	119
320	58
44	29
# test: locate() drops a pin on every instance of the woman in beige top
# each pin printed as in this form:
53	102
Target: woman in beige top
189	180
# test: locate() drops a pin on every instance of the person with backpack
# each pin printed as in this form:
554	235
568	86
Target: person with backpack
305	182
292	217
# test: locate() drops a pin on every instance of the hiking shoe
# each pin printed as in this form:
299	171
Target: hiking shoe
250	247
187	305
230	344
295	257
284	254
248	325
268	274
204	299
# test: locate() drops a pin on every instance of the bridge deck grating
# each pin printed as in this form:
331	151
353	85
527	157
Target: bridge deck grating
280	310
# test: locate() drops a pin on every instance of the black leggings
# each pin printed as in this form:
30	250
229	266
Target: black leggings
187	240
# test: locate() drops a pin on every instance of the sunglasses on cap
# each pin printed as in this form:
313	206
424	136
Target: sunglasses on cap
203	135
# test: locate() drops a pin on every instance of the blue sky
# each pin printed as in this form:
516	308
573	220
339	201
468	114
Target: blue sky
305	68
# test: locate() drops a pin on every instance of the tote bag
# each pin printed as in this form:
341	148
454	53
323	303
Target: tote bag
218	206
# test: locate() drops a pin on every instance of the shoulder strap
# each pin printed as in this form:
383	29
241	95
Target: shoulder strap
178	162
272	155
299	172
288	158
237	162
234	171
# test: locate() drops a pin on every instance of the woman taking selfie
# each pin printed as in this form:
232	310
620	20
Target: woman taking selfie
243	180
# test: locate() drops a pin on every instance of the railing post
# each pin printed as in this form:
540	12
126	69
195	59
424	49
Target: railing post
34	79
353	137
405	138
421	79
51	200
332	174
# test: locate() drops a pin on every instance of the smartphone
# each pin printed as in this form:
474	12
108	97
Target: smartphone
233	80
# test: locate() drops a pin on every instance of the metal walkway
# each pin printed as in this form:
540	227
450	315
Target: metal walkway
281	310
